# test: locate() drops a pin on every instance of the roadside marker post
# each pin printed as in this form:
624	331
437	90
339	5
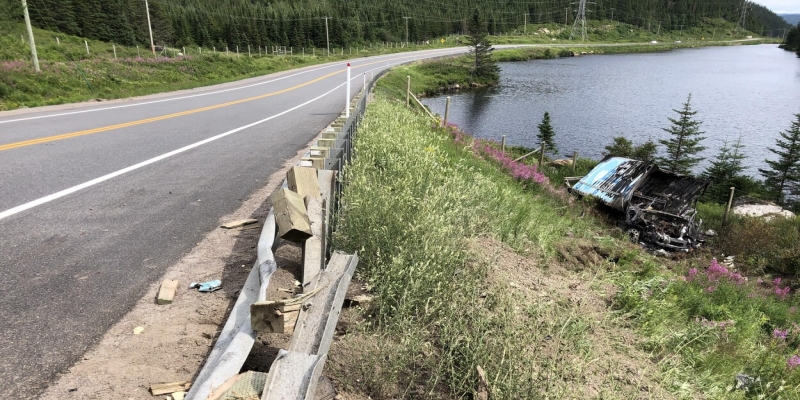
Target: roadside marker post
347	100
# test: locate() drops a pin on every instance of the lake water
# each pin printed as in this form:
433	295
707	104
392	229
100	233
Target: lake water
752	91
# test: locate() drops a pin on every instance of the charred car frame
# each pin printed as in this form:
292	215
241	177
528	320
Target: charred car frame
658	205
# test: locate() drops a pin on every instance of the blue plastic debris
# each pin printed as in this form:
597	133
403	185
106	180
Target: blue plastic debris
209	286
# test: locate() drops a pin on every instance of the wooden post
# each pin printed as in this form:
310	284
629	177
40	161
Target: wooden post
541	157
728	207
446	112
574	161
408	91
503	145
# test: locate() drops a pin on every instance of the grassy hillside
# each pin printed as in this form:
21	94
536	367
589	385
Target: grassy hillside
69	74
479	263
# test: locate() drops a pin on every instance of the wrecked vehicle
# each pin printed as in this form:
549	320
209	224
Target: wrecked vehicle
658	205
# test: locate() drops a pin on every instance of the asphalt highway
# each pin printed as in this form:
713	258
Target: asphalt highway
97	200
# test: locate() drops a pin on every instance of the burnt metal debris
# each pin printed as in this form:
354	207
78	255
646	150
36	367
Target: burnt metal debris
658	205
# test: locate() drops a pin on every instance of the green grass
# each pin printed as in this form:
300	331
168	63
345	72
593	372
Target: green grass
412	202
69	74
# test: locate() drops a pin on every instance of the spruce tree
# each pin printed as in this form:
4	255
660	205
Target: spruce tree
485	70
547	135
725	171
684	144
783	175
622	147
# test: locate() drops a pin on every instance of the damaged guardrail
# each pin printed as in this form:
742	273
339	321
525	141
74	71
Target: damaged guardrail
294	373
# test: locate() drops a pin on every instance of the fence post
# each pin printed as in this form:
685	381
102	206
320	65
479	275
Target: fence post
87	46
574	161
728	207
114	47
446	112
503	145
408	90
541	158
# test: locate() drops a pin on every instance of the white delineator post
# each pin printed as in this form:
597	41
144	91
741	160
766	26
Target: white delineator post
347	99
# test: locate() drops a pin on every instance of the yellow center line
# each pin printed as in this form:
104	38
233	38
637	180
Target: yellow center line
168	116
154	119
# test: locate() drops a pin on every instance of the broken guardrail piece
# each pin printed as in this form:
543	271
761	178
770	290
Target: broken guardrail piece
291	215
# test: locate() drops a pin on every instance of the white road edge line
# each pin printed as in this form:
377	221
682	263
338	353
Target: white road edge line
54	196
190	96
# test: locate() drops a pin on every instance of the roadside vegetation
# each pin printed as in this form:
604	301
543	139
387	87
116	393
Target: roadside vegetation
422	203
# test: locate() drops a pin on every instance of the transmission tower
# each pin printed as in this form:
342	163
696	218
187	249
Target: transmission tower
580	19
743	18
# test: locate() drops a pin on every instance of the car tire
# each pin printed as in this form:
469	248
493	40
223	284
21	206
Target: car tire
634	234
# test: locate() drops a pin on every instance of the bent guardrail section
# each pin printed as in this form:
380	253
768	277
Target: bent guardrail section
294	373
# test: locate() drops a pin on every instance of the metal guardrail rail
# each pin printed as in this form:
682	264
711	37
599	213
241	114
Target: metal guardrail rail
293	373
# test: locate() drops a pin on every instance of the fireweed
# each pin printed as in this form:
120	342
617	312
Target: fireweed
713	323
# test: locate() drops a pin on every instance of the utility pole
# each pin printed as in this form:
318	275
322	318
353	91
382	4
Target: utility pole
525	25
743	18
580	19
150	28
30	36
406	18
566	16
612	16
327	38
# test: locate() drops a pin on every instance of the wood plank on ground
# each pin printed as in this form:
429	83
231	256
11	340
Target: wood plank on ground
171	387
238	223
167	291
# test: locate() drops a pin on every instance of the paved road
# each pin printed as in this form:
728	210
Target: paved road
97	200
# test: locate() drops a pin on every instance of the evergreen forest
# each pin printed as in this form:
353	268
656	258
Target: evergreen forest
302	23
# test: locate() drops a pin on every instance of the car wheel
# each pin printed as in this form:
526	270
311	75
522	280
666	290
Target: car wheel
634	234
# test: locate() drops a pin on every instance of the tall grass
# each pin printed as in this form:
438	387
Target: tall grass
413	200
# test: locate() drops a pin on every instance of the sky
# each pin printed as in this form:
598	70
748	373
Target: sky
781	6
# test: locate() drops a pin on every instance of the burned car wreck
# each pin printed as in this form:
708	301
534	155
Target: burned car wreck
658	206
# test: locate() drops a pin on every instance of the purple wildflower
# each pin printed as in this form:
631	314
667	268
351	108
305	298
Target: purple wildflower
692	274
716	271
782	293
793	361
776	281
780	334
711	289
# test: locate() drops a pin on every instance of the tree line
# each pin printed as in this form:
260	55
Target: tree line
302	23
792	40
